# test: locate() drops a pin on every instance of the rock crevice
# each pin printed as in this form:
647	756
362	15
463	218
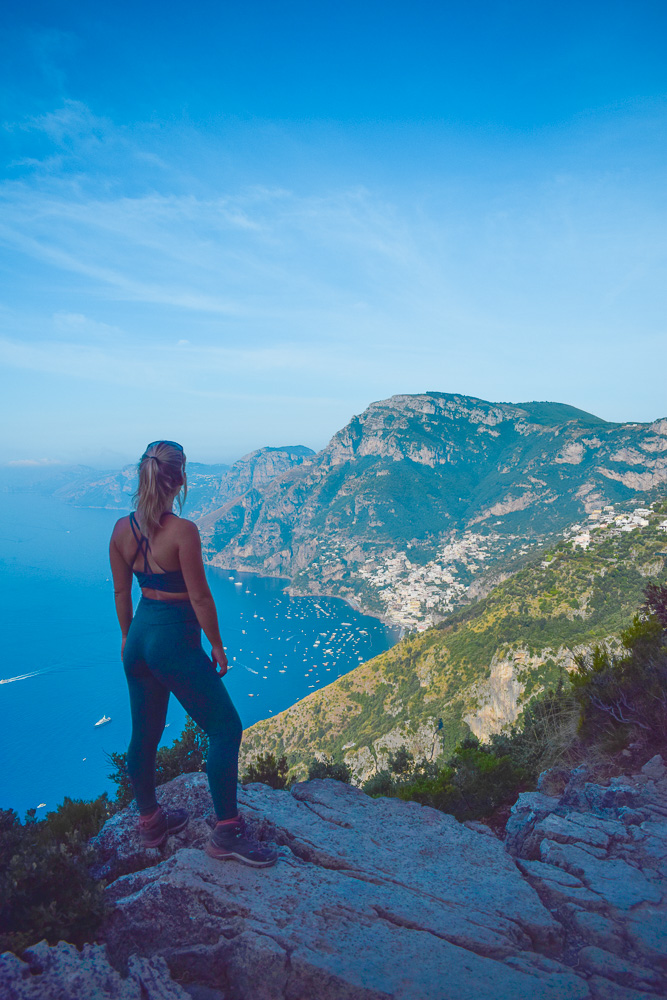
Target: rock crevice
380	899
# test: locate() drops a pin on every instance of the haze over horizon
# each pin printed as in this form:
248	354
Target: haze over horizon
241	227
109	461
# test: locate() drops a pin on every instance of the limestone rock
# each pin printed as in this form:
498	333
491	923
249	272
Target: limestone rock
597	856
370	898
118	845
655	768
610	966
62	972
378	899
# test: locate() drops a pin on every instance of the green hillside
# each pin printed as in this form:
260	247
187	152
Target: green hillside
478	668
419	497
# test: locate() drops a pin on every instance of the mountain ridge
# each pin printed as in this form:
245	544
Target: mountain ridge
419	496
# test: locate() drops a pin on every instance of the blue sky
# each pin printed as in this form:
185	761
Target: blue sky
238	224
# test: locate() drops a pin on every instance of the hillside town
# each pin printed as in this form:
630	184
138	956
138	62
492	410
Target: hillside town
609	519
415	596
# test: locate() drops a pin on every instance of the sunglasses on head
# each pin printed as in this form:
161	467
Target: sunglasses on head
174	444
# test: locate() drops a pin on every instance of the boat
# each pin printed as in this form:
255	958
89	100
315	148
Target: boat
103	721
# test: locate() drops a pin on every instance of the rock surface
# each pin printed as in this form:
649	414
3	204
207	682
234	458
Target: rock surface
414	473
597	856
65	973
380	899
371	898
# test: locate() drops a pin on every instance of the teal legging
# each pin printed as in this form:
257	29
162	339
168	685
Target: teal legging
163	653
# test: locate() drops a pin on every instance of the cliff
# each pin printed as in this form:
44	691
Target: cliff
251	472
379	899
420	497
478	669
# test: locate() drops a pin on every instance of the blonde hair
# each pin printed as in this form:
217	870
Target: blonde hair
161	473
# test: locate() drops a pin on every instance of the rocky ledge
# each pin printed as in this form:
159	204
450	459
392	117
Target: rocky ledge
376	899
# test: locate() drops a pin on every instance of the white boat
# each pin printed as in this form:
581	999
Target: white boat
103	721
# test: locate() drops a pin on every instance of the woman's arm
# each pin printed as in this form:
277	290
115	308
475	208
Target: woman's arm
122	587
192	568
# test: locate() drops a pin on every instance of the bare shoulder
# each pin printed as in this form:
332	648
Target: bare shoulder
187	530
120	527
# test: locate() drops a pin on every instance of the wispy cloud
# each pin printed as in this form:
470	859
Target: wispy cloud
180	368
129	270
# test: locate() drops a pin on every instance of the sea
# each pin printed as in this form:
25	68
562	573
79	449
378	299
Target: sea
60	666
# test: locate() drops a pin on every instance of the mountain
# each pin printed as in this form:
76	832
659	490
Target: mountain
209	486
422	497
478	668
115	489
43	478
252	472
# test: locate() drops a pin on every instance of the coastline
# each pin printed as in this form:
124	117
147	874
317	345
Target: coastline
352	602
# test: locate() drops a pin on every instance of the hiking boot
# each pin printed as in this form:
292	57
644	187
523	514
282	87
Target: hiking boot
154	829
228	843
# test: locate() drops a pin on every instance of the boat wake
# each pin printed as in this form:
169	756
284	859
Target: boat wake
249	669
22	677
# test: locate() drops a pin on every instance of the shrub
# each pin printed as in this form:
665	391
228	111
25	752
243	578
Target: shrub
46	890
77	818
186	755
379	784
337	770
473	783
124	791
546	734
624	698
268	770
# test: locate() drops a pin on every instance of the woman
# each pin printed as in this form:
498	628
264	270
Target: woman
162	652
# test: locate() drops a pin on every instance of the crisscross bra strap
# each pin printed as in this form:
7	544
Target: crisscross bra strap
143	544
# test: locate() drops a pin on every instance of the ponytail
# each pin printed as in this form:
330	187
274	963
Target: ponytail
161	473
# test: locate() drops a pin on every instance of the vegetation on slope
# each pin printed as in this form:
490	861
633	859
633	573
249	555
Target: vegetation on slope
534	623
46	889
612	702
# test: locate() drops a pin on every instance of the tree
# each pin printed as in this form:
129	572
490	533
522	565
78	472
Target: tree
401	762
269	771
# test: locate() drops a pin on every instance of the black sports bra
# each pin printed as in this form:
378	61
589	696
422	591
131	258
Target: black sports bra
170	582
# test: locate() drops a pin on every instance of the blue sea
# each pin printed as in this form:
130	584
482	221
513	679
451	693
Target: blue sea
60	666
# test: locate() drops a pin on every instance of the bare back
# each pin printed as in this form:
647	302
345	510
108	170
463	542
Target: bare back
162	554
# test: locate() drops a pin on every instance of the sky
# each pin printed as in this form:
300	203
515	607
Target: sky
237	225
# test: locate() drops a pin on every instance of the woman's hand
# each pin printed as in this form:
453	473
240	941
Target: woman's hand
219	658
